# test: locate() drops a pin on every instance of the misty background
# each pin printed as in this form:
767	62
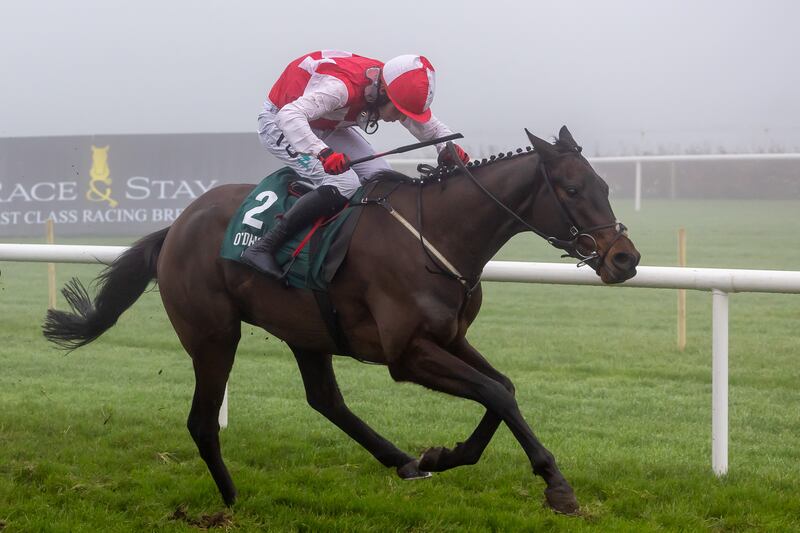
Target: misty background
627	77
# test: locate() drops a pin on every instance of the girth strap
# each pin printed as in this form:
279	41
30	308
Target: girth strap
331	319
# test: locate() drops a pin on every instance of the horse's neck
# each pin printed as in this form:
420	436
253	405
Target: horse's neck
470	226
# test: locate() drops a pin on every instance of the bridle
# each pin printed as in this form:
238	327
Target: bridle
583	245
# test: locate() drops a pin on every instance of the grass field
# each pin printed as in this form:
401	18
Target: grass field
96	440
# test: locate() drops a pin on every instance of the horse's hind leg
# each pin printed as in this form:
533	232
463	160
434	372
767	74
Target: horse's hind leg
324	396
212	358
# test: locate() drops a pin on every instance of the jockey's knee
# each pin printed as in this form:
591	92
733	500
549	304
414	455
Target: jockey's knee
339	189
332	194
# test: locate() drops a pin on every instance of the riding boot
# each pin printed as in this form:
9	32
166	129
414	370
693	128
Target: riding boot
324	201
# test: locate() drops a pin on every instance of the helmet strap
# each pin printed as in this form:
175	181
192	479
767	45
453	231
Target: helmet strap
368	118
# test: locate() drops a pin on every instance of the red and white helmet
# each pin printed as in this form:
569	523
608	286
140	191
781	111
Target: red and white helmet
410	84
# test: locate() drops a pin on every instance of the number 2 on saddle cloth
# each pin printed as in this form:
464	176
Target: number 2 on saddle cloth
315	253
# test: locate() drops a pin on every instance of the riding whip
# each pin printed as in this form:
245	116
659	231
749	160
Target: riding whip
407	148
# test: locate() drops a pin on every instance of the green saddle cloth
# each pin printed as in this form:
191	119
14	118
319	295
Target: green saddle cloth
316	263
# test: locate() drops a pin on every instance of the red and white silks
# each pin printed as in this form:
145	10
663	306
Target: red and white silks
324	90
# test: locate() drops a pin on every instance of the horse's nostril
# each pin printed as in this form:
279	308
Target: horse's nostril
624	260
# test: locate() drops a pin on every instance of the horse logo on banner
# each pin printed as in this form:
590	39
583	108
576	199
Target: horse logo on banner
99	173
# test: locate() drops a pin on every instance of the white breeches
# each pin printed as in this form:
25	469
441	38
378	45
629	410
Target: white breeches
347	140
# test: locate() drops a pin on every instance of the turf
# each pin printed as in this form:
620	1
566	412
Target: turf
96	440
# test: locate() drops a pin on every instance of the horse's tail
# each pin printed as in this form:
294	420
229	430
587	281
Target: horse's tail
120	285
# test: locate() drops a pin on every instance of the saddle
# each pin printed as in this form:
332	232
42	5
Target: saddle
315	253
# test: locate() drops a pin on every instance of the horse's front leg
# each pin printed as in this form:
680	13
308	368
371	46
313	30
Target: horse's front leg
322	393
428	364
439	459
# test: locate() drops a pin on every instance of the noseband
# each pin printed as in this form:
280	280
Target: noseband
592	253
574	247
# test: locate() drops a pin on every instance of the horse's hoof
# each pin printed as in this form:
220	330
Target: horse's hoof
439	459
230	498
562	500
411	470
430	459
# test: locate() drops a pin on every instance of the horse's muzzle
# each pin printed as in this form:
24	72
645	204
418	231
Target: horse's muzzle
620	263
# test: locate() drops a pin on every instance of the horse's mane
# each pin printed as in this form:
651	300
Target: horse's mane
429	173
389	175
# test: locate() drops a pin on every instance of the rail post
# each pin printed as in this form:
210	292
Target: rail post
223	410
719	382
637	202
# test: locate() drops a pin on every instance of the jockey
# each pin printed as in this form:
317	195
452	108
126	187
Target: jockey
309	122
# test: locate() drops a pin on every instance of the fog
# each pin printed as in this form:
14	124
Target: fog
626	76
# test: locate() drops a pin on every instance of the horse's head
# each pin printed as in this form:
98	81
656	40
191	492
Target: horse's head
573	207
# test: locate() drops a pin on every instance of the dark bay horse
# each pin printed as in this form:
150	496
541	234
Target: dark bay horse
392	308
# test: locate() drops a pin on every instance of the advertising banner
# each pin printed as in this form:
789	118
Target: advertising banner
117	185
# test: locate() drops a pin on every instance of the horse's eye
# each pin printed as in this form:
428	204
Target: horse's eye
571	191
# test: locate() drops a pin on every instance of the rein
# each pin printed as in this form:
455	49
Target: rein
578	235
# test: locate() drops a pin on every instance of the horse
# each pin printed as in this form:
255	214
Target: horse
404	299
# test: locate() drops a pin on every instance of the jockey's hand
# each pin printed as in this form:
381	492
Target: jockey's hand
334	162
446	158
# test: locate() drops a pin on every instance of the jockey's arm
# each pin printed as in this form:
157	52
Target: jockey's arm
293	119
425	131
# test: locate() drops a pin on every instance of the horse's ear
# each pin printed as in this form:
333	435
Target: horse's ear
542	147
566	137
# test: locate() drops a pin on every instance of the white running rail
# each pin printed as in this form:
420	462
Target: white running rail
721	282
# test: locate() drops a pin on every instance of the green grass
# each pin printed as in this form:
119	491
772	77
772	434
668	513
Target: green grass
96	440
